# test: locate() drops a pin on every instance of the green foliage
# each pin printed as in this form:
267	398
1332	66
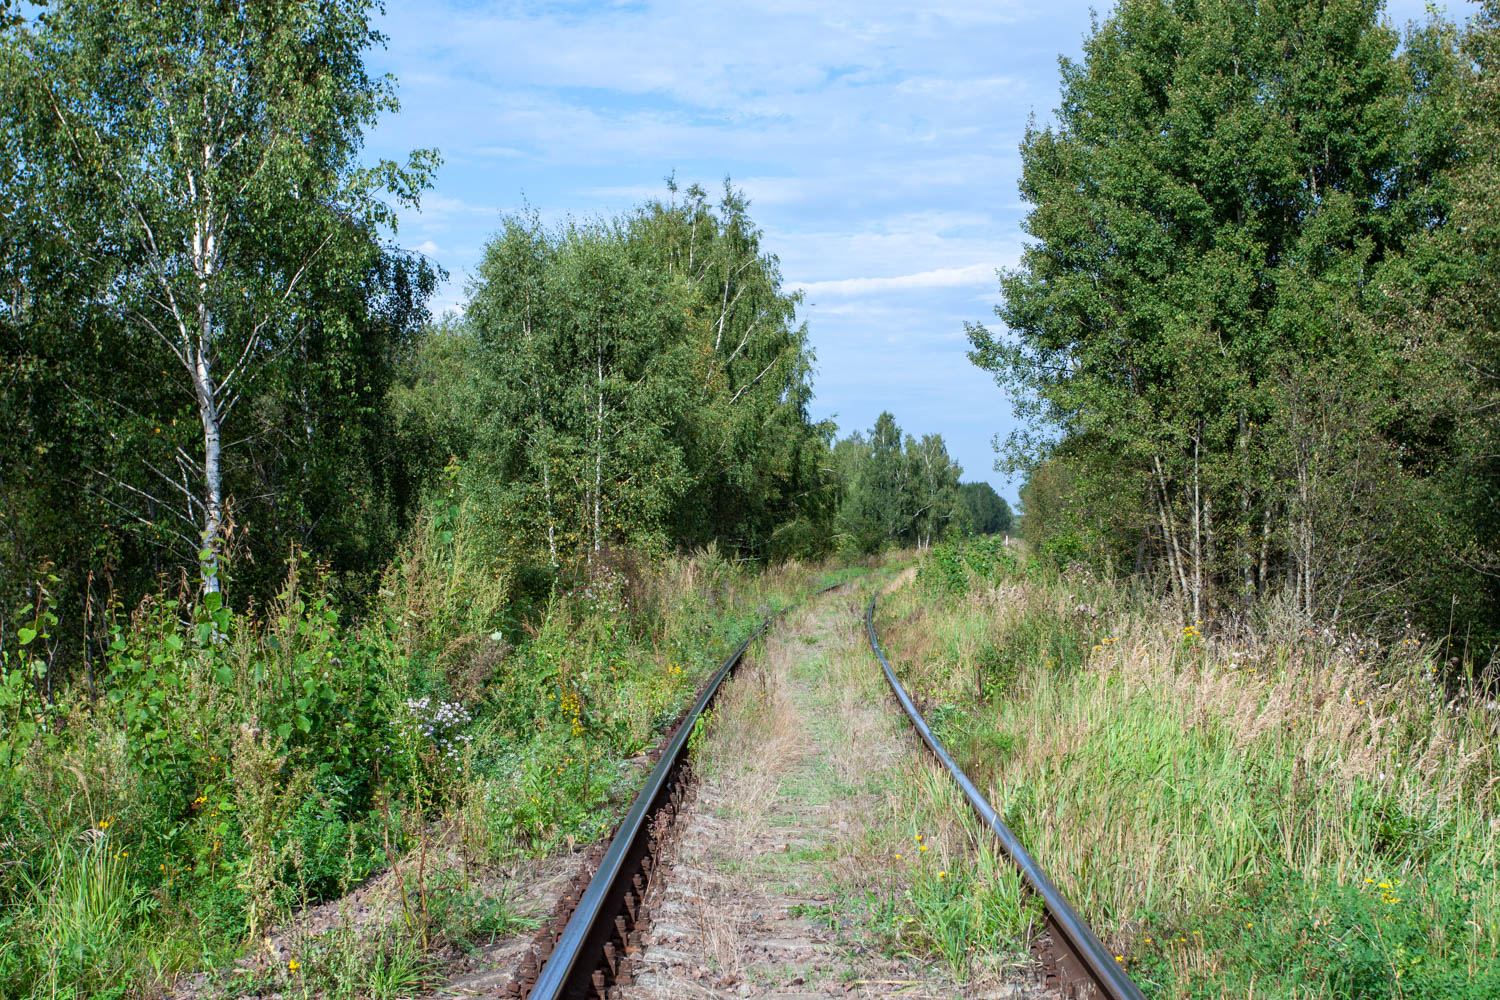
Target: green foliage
641	381
1211	332
124	451
1370	938
955	562
894	493
1298	816
239	768
981	511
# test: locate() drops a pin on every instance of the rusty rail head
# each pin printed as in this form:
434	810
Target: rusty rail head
1084	952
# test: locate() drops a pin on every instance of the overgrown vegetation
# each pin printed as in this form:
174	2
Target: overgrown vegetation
236	769
1254	332
1277	811
298	588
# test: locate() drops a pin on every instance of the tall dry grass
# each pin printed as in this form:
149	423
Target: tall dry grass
1225	807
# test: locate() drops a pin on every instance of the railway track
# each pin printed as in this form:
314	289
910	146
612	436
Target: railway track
591	947
1072	957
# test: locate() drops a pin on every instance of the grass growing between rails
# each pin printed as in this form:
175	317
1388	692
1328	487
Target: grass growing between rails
916	875
229	769
1282	813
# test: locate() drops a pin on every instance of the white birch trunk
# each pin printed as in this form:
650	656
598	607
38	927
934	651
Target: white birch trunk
201	350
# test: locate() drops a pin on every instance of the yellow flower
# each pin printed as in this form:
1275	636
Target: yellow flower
924	847
1119	958
293	965
942	874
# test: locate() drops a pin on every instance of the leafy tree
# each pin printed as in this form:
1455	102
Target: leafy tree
199	164
933	476
1214	215
1446	316
642	381
584	377
757	484
895	491
981	511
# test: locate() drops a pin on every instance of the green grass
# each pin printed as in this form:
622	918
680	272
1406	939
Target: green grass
240	767
1283	817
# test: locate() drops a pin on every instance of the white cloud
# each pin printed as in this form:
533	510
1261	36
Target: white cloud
943	277
875	139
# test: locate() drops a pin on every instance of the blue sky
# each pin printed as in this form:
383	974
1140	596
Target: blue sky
877	142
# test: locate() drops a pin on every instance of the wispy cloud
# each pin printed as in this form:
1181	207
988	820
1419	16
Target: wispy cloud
943	277
876	141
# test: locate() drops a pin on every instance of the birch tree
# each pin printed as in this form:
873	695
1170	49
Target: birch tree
203	158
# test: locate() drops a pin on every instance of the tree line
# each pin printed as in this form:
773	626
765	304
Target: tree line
905	491
1253	338
214	358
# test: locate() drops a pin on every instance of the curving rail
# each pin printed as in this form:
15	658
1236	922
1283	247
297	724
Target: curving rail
1074	954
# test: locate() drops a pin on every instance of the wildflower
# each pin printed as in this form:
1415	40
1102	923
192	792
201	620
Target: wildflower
898	857
924	847
942	874
293	965
1119	958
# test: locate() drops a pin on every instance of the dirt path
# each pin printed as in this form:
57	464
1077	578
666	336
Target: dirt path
789	841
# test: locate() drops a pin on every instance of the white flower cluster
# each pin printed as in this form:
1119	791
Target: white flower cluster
604	592
445	724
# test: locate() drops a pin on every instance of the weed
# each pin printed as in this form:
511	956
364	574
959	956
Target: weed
1283	816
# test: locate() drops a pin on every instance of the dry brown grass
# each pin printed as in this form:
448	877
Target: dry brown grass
1166	772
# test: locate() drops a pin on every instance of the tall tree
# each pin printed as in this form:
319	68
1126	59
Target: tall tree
643	381
201	160
933	476
981	511
585	381
1212	217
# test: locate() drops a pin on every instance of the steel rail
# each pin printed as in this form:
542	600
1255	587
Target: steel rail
1082	958
567	973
